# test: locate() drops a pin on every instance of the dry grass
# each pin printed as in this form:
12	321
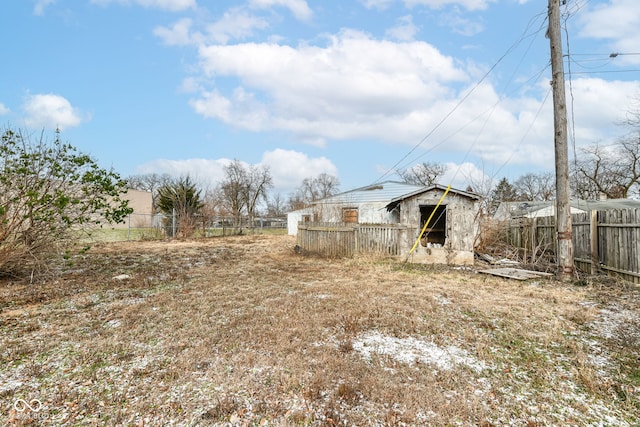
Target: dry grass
243	331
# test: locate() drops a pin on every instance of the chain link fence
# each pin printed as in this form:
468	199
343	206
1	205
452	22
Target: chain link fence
160	226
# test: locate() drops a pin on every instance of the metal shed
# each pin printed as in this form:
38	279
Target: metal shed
387	218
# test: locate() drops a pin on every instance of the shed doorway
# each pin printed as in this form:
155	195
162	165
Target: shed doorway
436	232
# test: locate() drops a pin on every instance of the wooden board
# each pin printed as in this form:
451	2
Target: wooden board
515	273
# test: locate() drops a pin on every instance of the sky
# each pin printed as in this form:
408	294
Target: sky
353	88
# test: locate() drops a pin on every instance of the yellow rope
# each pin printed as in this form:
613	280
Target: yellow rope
426	224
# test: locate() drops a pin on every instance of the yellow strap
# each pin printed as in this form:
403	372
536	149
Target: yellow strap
426	224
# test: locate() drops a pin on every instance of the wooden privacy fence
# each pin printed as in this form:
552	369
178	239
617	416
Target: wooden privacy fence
345	240
602	240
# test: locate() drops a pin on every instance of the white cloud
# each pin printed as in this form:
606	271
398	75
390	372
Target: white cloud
299	8
51	111
597	104
617	21
463	26
463	175
39	7
288	169
4	109
433	4
351	88
405	30
206	172
178	34
356	87
438	4
235	24
170	5
377	4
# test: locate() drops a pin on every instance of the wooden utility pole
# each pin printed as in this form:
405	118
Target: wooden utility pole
564	252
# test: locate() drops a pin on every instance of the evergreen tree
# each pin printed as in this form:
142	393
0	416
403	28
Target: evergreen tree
180	201
503	192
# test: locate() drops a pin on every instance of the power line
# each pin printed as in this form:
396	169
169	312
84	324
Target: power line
523	36
488	113
616	54
606	71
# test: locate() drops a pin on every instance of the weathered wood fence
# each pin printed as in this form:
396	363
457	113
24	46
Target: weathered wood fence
602	240
345	240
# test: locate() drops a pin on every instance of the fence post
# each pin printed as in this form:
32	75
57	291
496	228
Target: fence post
524	237
173	223
593	238
533	238
356	232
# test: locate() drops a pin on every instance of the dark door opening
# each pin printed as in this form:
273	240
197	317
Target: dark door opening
436	232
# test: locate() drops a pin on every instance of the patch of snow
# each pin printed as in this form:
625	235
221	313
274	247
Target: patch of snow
411	350
122	277
485	386
442	300
9	386
588	304
608	326
114	323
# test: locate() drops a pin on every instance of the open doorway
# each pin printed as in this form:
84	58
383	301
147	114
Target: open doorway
436	232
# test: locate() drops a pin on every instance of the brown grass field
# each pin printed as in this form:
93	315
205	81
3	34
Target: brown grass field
242	331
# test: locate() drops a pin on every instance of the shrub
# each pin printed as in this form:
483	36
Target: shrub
48	193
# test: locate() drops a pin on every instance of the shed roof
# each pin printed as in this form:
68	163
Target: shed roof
397	200
378	192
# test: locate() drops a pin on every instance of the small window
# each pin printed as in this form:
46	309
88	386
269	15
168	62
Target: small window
350	215
436	232
306	218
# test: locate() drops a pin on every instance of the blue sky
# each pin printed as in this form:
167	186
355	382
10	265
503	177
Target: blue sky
351	88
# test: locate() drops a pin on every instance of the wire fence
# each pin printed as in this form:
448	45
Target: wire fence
160	226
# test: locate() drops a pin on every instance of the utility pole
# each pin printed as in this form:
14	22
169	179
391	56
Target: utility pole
564	253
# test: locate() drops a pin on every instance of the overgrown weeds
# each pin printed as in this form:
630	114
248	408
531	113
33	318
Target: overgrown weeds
242	331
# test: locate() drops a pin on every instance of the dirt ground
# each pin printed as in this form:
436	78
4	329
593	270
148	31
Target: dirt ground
244	331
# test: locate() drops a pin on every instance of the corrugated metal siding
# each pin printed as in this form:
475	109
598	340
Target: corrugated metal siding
382	192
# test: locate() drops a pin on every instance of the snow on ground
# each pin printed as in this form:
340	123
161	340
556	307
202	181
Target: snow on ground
411	350
614	320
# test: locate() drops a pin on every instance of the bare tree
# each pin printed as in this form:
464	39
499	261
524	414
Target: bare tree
231	188
276	205
257	182
296	200
611	171
482	186
326	185
535	186
312	189
426	173
242	189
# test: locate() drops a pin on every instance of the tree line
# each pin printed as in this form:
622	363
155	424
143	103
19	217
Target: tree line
244	192
598	171
50	191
